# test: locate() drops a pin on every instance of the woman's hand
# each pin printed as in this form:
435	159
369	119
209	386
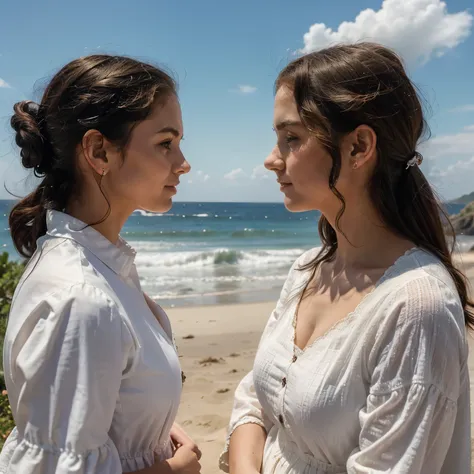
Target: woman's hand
184	461
180	438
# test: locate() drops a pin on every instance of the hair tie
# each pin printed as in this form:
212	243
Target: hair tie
416	159
33	108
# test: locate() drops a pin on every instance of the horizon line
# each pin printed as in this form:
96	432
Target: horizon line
448	201
203	202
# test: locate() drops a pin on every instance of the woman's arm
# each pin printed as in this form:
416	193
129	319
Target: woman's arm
248	425
416	401
68	366
247	420
246	449
184	461
179	437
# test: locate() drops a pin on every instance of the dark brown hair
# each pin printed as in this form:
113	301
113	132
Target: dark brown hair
341	87
110	94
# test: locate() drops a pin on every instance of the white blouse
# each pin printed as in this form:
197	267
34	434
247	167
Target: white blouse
92	372
385	390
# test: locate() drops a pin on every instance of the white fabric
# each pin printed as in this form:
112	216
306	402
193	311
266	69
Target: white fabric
386	390
93	378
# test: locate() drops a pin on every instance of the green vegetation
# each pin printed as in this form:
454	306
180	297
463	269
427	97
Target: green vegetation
463	223
6	418
469	209
10	273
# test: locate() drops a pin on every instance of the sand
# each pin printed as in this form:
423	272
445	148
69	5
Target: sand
217	345
220	352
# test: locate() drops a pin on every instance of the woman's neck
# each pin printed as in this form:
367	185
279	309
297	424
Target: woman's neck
365	242
105	218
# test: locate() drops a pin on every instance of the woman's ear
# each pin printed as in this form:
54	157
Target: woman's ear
95	149
360	146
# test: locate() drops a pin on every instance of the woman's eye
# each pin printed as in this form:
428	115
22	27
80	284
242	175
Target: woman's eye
290	139
166	144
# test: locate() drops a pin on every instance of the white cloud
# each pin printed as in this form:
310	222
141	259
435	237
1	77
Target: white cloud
235	174
246	89
455	145
450	160
461	166
454	180
464	108
200	177
4	84
260	172
417	29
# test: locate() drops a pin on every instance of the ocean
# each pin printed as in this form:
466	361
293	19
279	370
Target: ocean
215	253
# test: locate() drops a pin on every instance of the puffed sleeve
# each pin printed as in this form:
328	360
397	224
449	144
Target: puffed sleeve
419	389
247	408
66	361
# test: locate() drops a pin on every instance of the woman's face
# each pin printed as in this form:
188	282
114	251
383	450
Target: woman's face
148	176
303	165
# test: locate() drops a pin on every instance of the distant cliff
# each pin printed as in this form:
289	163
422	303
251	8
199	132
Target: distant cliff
466	199
463	222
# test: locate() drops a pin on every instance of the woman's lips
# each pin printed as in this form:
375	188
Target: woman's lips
284	185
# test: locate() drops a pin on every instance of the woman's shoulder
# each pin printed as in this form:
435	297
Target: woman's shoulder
419	299
415	326
58	267
59	280
79	301
299	269
426	265
306	257
421	276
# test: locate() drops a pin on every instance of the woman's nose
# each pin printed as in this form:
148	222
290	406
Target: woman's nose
274	161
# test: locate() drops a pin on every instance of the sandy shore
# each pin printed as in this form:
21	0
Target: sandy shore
217	346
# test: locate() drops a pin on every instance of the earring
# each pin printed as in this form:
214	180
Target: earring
355	165
103	172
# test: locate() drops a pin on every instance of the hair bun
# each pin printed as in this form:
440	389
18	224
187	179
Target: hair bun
25	122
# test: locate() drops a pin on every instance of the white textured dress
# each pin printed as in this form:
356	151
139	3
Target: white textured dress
91	369
385	390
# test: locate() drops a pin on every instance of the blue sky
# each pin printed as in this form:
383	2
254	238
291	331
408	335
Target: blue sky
226	55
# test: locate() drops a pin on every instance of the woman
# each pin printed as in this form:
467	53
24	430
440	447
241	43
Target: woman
91	370
362	366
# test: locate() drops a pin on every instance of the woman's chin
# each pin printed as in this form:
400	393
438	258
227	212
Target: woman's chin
159	207
296	205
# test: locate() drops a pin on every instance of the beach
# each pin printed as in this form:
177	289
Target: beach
217	345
